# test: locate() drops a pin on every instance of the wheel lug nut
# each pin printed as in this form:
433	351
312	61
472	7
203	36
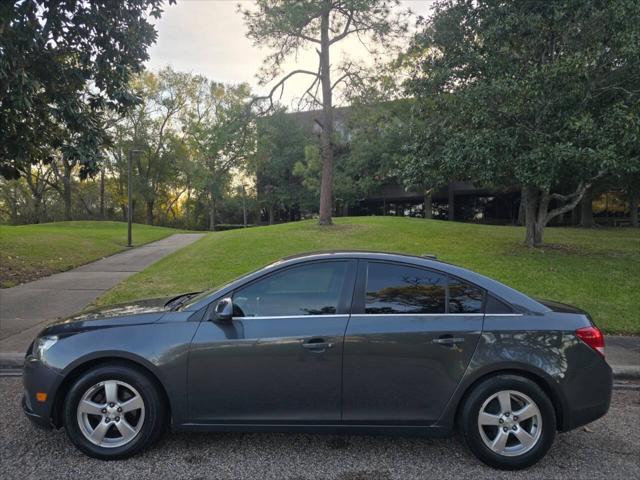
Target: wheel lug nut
506	414
514	428
501	421
112	404
104	410
119	409
118	419
505	429
515	418
107	420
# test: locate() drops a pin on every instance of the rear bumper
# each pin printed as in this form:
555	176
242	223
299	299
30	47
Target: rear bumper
588	395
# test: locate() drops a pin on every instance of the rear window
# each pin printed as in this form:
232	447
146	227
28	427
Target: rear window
496	306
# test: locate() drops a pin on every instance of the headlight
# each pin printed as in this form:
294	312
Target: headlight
43	344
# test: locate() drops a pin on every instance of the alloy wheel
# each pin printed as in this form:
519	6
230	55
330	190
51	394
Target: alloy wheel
111	413
510	423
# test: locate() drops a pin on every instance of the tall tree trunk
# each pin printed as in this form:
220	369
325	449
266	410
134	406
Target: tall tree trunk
149	204
522	208
586	210
451	203
270	210
37	204
538	214
326	185
633	207
533	235
428	204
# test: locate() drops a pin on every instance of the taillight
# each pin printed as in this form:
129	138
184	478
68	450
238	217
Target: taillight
593	337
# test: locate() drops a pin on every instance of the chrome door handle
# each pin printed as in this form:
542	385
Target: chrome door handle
318	344
448	340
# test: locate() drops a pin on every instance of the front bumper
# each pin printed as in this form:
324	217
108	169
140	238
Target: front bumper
37	377
36	419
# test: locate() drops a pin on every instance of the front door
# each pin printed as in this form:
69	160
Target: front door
408	343
279	360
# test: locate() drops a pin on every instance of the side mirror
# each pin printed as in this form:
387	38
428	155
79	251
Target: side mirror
223	311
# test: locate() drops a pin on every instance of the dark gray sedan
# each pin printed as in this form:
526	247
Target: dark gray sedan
334	342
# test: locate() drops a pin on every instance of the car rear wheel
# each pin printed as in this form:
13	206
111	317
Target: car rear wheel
508	422
113	412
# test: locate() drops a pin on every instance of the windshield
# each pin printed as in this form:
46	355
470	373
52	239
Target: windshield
202	295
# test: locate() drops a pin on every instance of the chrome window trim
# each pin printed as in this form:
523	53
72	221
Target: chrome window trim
417	314
267	317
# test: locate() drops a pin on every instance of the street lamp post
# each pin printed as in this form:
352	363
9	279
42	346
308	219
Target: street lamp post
130	196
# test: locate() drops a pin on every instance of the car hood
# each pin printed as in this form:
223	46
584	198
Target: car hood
132	313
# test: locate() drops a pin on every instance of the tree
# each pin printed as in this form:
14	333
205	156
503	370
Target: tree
288	26
280	145
542	95
377	153
150	130
62	64
219	133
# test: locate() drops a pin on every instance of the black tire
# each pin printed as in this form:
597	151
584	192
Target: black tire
471	431
152	421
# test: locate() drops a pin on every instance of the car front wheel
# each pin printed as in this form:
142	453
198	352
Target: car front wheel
113	412
508	422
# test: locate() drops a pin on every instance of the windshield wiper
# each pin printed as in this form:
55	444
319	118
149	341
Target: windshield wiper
176	302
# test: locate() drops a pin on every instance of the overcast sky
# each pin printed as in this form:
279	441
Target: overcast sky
209	37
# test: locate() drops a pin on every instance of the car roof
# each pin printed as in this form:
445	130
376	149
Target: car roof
358	254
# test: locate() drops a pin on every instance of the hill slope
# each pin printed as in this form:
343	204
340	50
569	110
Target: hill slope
28	252
597	269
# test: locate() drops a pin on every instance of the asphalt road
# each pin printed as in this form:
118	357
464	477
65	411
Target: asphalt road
608	449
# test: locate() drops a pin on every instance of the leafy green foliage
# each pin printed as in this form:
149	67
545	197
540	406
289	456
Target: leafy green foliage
62	64
542	95
281	145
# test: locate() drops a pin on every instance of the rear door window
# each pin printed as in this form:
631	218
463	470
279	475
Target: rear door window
394	288
401	289
464	298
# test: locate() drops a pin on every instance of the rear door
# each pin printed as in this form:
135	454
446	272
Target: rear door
409	340
280	359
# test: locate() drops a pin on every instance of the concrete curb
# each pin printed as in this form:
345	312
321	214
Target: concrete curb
14	361
626	372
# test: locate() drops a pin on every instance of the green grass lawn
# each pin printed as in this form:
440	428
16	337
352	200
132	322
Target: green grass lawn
595	269
28	252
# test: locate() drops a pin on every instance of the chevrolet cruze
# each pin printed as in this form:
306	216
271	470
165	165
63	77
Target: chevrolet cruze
326	342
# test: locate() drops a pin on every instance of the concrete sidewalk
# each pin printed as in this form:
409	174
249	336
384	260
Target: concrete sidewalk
25	309
623	354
